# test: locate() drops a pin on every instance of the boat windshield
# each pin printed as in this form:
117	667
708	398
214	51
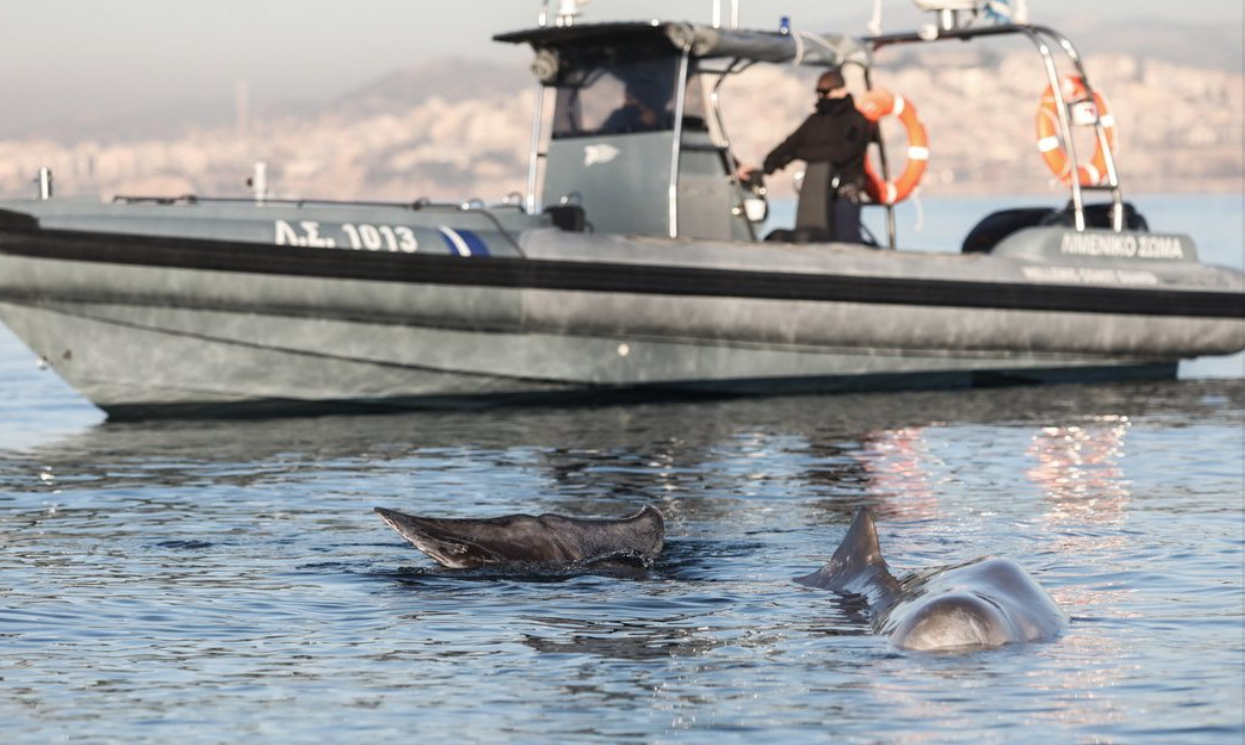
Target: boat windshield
623	98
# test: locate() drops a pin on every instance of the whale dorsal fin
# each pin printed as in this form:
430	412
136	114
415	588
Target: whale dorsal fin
857	566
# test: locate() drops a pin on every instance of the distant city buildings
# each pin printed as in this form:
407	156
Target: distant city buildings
1181	129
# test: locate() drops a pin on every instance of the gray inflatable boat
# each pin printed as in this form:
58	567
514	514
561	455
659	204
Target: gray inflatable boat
631	268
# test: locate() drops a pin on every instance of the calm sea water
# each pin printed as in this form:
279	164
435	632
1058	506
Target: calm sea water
227	581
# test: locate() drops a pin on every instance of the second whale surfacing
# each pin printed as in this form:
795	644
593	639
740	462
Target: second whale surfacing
980	604
548	540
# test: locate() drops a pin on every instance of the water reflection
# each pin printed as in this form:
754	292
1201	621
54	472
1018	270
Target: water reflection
655	638
1101	663
626	449
939	689
234	572
900	467
1078	468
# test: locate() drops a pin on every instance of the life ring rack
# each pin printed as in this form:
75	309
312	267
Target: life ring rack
1049	143
878	103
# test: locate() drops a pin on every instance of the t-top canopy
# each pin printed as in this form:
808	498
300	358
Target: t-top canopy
703	42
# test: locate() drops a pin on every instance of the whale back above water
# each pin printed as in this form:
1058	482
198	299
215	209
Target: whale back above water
983	603
528	539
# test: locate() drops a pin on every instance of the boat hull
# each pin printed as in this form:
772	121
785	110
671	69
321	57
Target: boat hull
147	325
135	363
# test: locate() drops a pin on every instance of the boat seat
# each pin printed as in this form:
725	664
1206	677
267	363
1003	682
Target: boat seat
1099	216
812	208
996	226
814	219
799	235
568	217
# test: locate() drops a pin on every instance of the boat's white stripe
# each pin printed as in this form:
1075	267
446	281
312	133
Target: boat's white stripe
1046	144
1107	120
918	153
460	245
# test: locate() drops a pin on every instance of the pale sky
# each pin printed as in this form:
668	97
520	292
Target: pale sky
99	59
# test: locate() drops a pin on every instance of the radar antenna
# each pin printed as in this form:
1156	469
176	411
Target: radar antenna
957	14
568	11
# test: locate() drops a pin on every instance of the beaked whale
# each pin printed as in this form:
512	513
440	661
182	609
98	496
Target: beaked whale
980	604
525	539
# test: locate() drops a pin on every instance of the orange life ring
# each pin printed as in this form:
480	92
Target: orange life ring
876	104
1051	146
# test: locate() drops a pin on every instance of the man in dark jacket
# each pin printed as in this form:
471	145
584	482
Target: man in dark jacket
832	142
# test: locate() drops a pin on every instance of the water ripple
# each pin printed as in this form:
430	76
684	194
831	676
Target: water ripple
211	582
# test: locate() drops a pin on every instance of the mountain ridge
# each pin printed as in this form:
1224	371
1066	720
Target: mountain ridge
454	128
456	78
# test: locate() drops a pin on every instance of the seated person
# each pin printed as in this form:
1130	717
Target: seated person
644	109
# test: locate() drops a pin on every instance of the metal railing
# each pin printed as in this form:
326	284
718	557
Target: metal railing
1040	36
